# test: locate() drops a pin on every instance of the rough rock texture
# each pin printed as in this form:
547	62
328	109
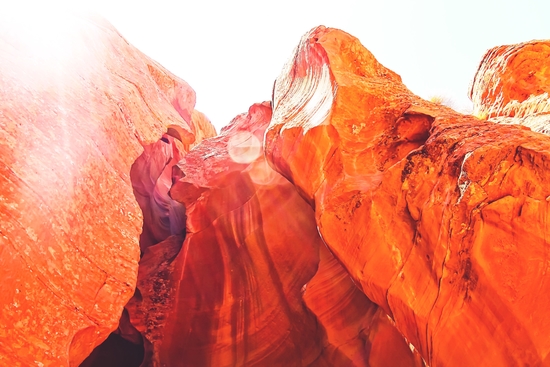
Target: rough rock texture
253	283
441	219
435	224
77	105
512	84
202	127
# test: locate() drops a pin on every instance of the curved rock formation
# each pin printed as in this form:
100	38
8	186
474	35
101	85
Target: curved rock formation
151	176
441	219
76	108
358	332
511	85
253	283
391	224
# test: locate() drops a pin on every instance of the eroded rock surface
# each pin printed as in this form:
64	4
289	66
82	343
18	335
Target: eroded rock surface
436	224
440	218
512	84
77	105
253	283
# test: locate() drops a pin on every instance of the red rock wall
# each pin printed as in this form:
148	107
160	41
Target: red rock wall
75	113
253	283
435	223
439	218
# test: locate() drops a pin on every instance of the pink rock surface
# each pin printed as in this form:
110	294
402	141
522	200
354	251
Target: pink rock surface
151	177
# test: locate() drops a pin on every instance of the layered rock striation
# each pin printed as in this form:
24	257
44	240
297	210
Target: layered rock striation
440	218
252	283
347	223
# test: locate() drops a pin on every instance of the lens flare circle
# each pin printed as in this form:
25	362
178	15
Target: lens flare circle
244	147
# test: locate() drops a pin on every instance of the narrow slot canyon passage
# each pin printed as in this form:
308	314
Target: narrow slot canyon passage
151	177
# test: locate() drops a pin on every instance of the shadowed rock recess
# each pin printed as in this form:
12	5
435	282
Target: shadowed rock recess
347	222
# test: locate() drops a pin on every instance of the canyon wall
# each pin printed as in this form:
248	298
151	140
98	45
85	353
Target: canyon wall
75	114
347	222
440	218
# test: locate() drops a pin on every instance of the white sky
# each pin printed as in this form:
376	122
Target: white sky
230	52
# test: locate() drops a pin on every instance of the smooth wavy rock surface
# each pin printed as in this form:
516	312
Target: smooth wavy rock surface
512	85
77	105
151	176
253	284
441	219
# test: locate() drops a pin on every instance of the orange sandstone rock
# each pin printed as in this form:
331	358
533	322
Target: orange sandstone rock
512	84
76	108
252	283
202	127
361	331
441	219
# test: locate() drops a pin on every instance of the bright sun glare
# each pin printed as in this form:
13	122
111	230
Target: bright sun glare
43	33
